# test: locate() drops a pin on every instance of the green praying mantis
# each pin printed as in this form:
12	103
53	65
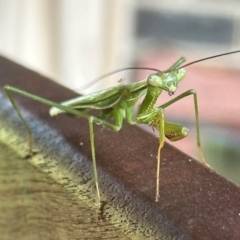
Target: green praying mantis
118	103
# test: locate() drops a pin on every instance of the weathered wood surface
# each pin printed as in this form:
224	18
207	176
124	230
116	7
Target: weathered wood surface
34	206
195	202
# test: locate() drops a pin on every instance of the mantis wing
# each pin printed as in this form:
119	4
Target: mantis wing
103	99
98	100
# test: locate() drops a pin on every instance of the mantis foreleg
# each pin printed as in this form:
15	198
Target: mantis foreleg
185	94
173	131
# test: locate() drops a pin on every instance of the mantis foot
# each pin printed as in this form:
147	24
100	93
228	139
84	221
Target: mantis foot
101	216
31	153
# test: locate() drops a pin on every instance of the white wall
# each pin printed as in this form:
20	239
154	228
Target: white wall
72	41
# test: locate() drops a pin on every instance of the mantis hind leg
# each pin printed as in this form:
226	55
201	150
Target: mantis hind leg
73	112
9	90
117	114
29	132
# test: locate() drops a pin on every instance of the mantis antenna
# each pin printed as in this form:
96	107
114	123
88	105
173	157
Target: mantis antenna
175	66
207	58
114	72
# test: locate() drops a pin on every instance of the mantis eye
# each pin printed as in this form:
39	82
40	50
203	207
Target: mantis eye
155	80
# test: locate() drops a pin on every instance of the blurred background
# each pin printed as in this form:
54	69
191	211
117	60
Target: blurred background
75	41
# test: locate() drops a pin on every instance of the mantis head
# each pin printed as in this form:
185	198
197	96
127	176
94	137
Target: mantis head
169	79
